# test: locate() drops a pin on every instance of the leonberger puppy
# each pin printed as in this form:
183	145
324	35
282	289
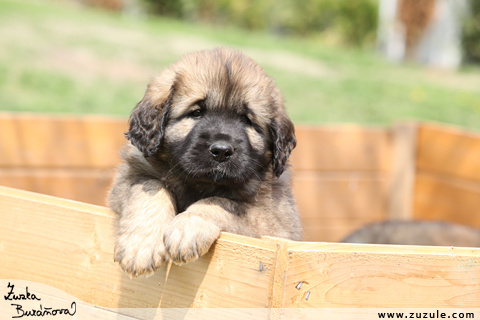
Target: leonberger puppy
209	144
422	233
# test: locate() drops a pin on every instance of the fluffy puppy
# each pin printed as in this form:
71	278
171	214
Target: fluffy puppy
424	233
209	147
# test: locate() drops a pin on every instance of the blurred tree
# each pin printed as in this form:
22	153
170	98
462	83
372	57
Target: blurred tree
170	8
309	16
358	20
428	32
353	22
416	16
114	5
471	33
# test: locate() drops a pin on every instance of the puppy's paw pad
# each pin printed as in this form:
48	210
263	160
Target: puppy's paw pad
189	237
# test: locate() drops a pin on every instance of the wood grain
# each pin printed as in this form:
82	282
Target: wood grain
368	276
341	172
448	151
402	175
85	185
341	178
342	148
333	205
60	142
68	245
444	198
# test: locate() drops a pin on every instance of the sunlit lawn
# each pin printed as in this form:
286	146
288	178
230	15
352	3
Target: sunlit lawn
58	58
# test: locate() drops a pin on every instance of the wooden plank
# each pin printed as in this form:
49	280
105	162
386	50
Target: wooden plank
342	148
339	201
368	276
449	152
69	246
85	185
444	198
10	145
53	298
277	286
105	137
60	142
80	142
402	177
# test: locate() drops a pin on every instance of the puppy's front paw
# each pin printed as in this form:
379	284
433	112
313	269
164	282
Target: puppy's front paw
138	256
189	237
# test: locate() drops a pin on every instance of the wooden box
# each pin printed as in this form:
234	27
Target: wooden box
345	177
68	245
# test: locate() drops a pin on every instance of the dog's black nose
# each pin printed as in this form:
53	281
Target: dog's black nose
221	151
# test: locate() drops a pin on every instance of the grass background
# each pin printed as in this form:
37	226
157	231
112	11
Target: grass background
62	58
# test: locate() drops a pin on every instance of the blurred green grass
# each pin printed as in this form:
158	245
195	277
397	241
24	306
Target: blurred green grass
58	58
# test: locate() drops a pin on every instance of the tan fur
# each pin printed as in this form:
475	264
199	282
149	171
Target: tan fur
139	247
255	139
178	131
151	228
200	76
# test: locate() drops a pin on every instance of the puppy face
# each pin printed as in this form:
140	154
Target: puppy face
218	145
215	117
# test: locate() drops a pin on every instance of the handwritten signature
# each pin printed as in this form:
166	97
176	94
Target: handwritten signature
41	311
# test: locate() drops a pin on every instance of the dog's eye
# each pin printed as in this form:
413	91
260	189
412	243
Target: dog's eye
247	120
196	114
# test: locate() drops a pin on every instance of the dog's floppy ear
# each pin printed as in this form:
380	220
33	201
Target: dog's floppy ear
148	119
284	141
